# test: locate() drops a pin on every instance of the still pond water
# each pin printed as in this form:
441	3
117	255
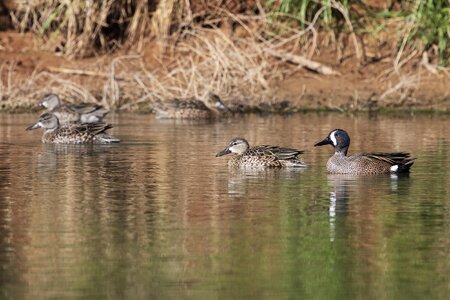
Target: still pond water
158	216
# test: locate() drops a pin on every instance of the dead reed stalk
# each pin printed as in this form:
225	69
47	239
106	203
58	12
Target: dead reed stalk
78	28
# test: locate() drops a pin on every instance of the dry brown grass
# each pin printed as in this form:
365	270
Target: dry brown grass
15	94
203	60
194	60
79	28
19	94
208	60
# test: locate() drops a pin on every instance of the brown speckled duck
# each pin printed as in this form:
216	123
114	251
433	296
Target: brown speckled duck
71	113
89	133
261	156
210	107
362	163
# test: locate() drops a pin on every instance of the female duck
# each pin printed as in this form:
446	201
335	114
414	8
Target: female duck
70	113
362	163
89	133
261	156
211	106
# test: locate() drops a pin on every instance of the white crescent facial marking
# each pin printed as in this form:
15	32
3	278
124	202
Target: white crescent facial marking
333	138
394	168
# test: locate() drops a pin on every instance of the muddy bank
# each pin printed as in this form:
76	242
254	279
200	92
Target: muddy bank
122	81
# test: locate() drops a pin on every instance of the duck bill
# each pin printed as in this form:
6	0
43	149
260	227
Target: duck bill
326	141
34	126
39	106
221	107
223	152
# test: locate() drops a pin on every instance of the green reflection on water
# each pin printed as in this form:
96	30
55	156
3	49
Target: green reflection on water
157	220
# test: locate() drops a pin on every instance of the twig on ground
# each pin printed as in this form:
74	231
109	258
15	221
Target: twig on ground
302	61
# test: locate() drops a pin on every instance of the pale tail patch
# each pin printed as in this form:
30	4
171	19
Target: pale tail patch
394	168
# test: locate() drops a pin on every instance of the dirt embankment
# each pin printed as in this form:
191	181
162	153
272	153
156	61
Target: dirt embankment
128	78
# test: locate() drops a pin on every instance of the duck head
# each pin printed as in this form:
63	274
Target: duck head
49	101
236	145
339	139
214	102
48	121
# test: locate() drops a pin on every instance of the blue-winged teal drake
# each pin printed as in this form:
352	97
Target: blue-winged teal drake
261	156
362	163
211	106
71	113
88	133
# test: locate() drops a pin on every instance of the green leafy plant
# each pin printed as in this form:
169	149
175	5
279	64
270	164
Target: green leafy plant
325	12
431	26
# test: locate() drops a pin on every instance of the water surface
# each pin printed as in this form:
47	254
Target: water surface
158	216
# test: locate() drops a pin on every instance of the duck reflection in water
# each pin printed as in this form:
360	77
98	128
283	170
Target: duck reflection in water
52	155
360	197
242	181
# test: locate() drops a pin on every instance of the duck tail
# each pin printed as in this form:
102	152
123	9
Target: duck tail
404	166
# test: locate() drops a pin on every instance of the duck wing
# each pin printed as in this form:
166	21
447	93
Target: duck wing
392	158
402	160
91	128
87	108
174	104
277	152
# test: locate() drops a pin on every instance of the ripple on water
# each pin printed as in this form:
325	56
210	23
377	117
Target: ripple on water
159	215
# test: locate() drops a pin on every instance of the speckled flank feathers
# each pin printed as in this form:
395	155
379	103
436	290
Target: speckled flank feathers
192	108
362	163
70	113
89	133
261	156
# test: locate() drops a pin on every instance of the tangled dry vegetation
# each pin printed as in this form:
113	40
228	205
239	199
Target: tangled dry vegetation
194	61
237	55
77	28
207	61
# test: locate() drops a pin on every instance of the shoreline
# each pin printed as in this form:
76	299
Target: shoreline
130	80
265	110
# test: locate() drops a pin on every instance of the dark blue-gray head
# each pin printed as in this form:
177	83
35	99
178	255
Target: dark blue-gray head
339	139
